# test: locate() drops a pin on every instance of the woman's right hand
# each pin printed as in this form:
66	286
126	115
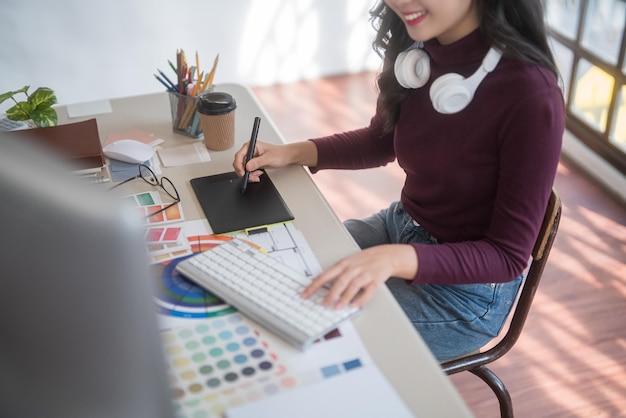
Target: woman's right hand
268	155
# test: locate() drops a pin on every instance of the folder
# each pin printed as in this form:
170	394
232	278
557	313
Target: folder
78	142
227	210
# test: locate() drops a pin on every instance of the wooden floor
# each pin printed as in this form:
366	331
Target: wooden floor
571	358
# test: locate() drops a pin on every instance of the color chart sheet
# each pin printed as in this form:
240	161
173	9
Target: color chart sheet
218	358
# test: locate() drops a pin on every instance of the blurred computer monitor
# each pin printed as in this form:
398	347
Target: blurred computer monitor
79	334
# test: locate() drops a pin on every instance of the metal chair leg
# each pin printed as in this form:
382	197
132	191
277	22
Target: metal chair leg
501	392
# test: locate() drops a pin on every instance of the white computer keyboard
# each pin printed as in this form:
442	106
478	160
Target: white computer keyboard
265	290
11	125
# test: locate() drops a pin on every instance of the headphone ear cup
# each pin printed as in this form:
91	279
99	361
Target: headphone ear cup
412	68
451	93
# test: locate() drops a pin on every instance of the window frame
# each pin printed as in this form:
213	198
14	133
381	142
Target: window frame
598	141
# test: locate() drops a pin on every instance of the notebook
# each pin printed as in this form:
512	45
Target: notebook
227	210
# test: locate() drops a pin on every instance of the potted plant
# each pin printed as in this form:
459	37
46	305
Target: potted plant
36	108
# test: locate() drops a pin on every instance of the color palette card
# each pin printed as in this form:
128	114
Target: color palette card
220	363
148	203
165	243
163	235
229	361
339	352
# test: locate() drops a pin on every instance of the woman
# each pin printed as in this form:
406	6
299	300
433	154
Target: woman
479	170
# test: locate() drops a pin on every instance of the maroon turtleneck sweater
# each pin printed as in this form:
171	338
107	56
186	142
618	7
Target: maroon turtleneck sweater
478	180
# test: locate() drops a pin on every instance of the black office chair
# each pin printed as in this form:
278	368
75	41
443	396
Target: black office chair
475	362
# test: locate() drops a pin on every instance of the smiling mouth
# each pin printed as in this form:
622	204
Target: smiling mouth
414	17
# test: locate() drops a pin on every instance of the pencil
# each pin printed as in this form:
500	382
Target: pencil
167	79
172	66
167	86
205	83
179	67
212	73
196	87
197	66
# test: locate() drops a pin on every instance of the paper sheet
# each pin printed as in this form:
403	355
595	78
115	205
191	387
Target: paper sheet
97	107
363	393
184	154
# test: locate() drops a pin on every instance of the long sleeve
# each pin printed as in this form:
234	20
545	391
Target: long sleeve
357	149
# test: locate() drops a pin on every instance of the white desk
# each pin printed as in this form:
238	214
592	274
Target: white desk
391	340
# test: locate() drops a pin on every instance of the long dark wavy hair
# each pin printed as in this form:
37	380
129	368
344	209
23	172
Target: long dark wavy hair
514	26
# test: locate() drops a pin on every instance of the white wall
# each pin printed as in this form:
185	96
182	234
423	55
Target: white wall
92	49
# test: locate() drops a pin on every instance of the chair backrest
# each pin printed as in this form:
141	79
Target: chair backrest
540	253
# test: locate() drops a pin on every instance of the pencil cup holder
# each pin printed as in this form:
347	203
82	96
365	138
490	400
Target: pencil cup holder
217	120
185	118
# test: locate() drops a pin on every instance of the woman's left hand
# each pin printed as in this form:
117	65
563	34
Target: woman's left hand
356	278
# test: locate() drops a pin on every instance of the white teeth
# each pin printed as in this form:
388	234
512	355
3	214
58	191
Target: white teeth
414	16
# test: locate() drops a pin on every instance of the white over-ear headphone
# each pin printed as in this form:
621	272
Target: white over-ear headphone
449	93
412	67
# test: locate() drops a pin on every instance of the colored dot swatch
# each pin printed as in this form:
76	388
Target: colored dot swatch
219	363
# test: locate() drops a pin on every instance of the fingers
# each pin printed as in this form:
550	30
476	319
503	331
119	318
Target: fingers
365	295
343	289
350	286
240	158
321	280
240	165
255	176
265	155
352	290
356	278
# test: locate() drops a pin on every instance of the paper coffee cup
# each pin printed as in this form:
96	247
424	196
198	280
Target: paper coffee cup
217	120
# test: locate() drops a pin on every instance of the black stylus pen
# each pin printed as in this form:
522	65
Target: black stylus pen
251	147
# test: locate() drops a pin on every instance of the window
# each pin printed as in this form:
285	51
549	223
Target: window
591	97
563	16
588	42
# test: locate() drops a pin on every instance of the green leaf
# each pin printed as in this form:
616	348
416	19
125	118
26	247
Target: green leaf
38	106
21	111
45	117
42	98
9	94
5	96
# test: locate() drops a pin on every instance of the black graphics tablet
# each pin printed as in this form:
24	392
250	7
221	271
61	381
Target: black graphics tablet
227	210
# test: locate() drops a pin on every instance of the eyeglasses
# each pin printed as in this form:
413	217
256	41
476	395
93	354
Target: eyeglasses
164	183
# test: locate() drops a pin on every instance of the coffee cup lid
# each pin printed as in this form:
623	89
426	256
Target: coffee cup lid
216	103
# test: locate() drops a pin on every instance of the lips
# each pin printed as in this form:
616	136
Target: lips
413	18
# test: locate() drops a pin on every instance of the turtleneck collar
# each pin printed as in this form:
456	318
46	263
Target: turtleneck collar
472	47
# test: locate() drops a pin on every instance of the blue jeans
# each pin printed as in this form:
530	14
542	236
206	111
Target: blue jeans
452	319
